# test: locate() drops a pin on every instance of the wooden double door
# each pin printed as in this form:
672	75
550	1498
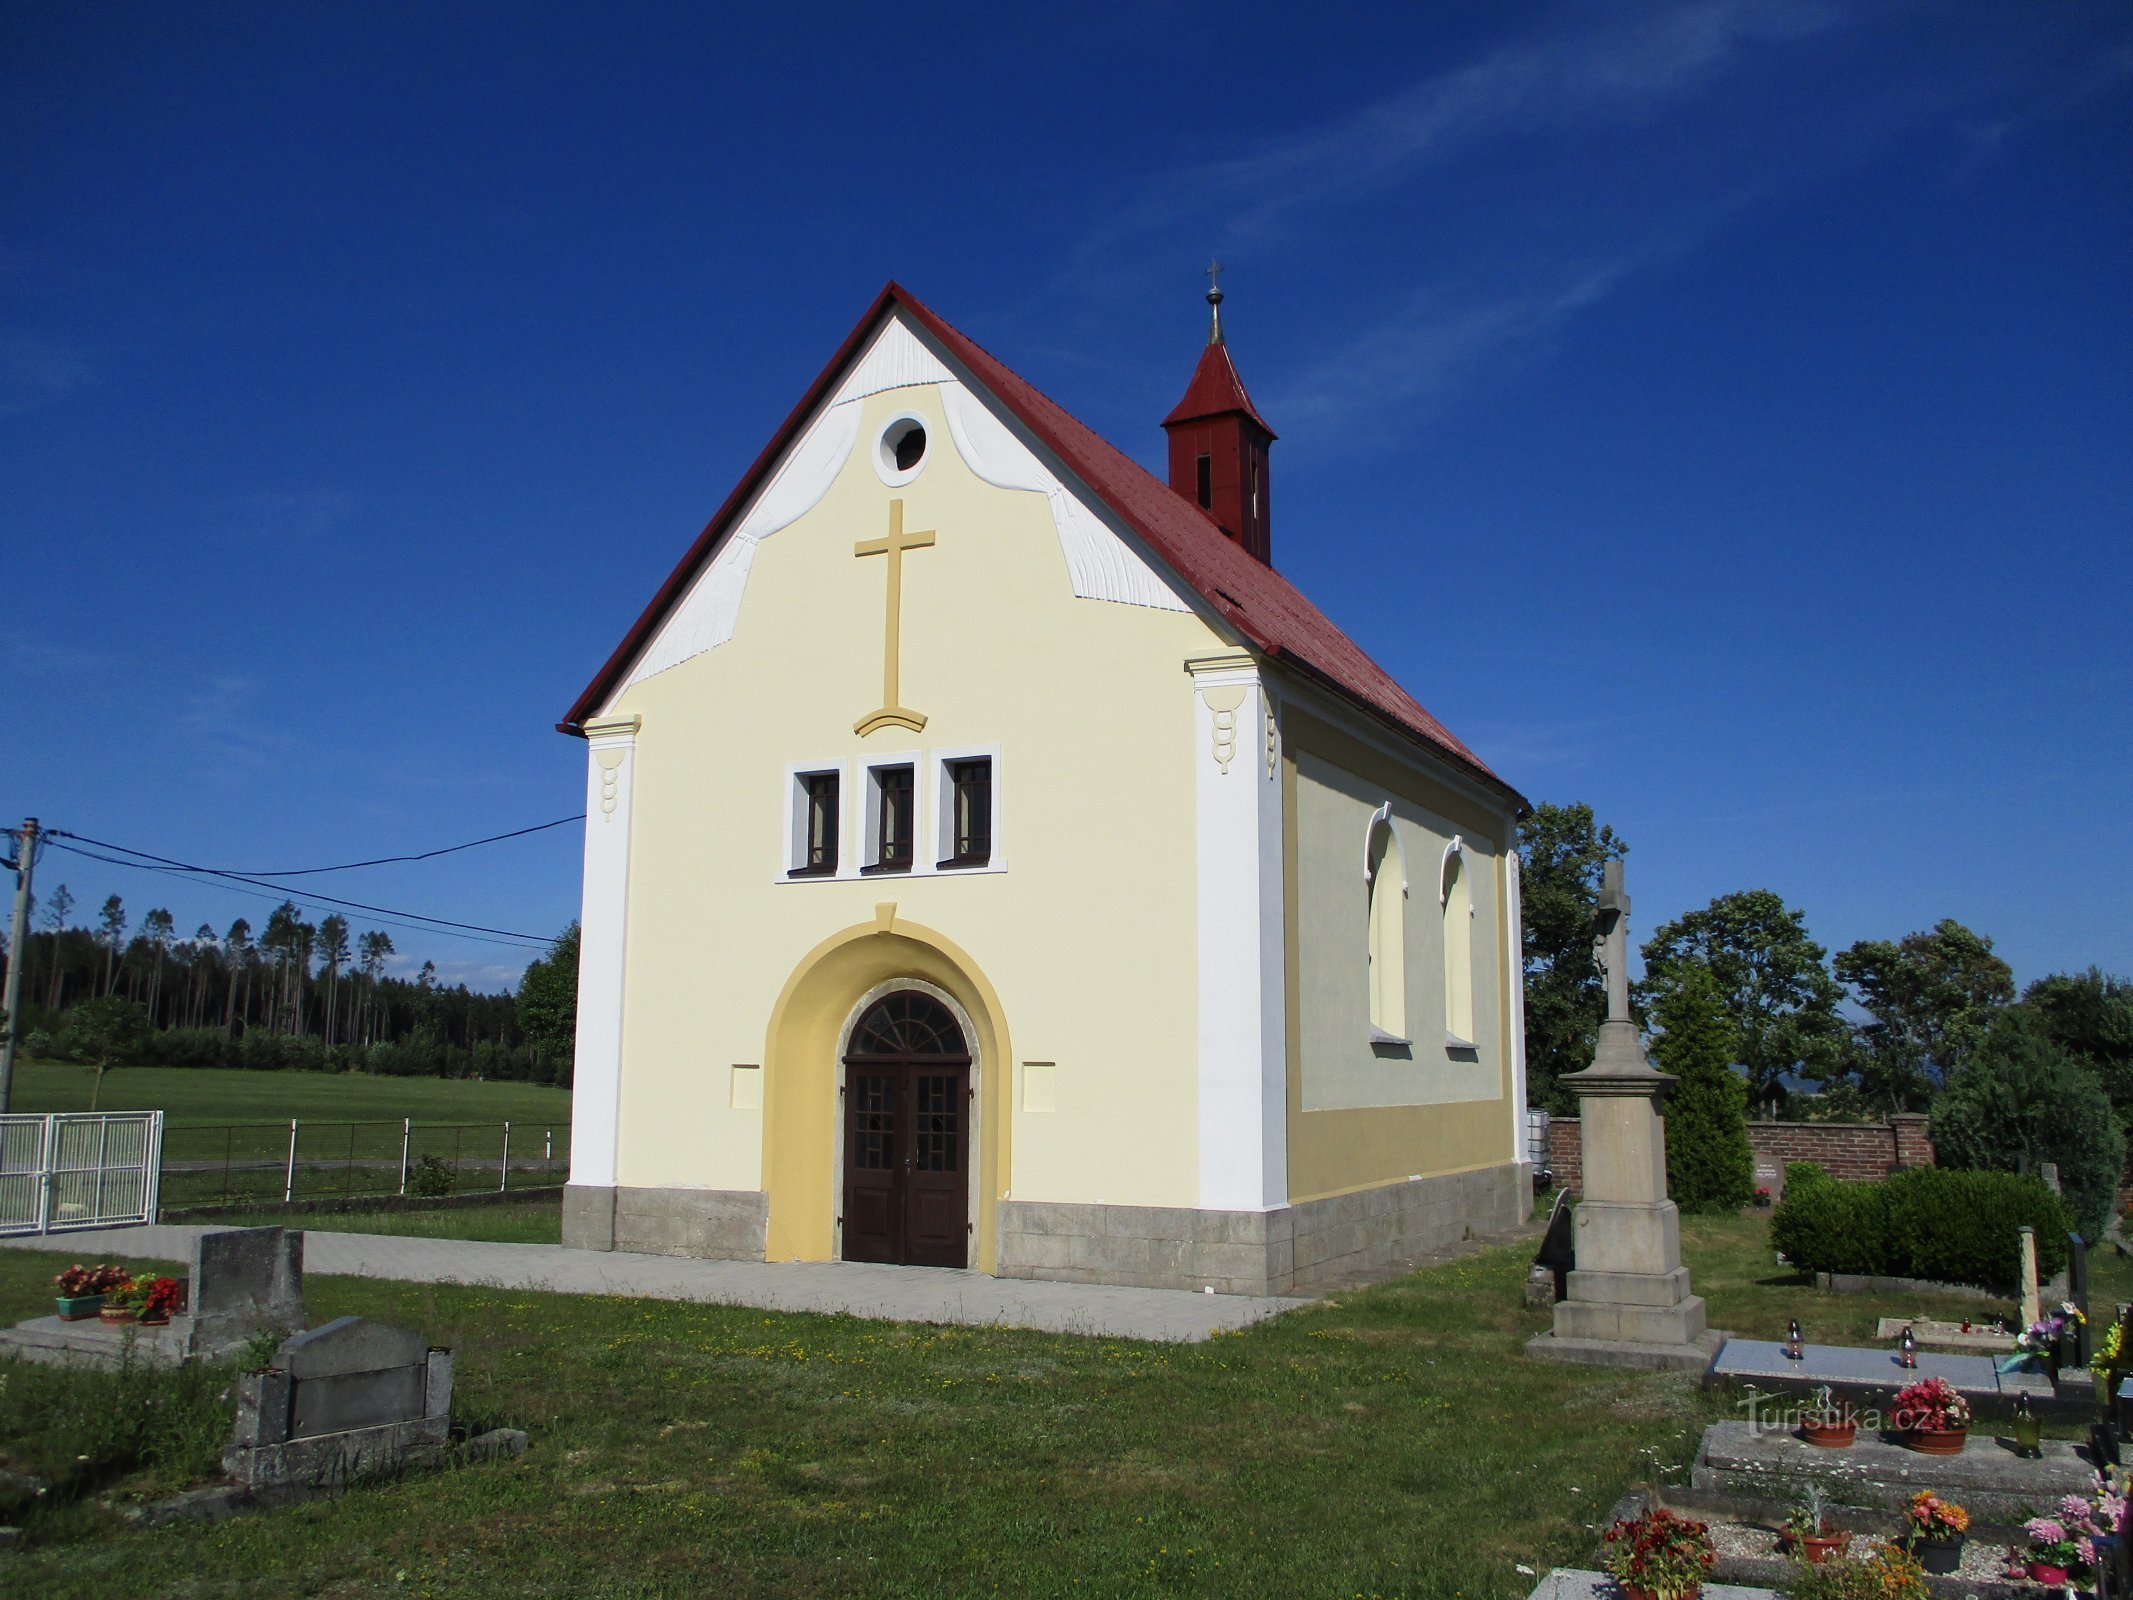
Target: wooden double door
907	1135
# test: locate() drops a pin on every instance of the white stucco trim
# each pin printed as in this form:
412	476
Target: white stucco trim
705	615
603	923
1243	1067
1100	565
1444	861
1514	940
894	358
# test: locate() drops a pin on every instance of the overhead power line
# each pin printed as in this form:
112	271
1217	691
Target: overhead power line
148	862
265	898
345	866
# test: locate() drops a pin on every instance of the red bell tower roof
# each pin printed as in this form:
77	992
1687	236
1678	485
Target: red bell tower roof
1218	443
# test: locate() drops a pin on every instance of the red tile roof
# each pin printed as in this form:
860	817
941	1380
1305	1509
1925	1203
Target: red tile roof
1262	606
1215	391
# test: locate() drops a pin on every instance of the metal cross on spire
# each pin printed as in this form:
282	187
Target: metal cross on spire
1214	300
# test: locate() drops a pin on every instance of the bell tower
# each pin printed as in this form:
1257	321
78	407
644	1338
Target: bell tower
1218	442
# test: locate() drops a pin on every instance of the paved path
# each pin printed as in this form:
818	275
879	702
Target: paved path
897	1294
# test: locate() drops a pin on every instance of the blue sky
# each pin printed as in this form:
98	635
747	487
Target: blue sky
1718	412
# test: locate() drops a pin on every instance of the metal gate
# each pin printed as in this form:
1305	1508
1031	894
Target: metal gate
79	1170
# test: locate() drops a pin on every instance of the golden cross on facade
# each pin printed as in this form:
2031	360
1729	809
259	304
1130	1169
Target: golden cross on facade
892	714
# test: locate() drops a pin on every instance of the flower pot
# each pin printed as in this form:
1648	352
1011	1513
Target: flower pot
1820	1547
2045	1572
1829	1435
78	1307
111	1313
158	1319
1939	1556
1937	1441
1632	1592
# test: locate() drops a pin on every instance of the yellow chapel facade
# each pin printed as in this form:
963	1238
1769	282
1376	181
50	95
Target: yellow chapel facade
992	863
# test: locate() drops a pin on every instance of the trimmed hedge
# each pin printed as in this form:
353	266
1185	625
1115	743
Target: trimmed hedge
1929	1222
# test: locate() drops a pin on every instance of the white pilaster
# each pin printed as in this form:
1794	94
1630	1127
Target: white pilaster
596	1093
1243	1036
1514	974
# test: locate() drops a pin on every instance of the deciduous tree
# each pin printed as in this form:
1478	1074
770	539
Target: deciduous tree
1561	850
2090	1016
101	1033
1931	997
1772	983
548	1001
2022	1101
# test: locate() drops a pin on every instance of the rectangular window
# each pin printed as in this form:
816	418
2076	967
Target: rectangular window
970	813
894	814
815	838
1206	481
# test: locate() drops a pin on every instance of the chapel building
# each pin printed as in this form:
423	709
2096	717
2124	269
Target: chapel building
992	862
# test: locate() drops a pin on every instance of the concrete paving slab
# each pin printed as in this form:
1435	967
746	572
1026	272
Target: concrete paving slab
863	1289
1573	1583
1850	1364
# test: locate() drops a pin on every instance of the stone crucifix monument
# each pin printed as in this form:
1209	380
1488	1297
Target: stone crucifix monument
1629	1303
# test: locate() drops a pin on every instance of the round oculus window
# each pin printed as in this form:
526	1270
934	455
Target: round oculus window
903	449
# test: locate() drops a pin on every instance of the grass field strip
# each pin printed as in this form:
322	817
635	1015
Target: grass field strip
289	1162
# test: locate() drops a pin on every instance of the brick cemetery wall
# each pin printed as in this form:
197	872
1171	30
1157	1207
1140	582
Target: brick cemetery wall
1849	1150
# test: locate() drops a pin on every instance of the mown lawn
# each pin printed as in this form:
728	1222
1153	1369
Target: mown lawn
519	1222
220	1095
1392	1442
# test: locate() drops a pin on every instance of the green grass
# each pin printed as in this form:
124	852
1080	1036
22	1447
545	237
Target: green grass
523	1222
220	1095
1390	1442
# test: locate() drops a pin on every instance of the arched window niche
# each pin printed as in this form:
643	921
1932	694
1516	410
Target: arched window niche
1456	898
1385	870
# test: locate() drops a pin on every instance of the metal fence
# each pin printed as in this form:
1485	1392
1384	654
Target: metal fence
300	1160
79	1170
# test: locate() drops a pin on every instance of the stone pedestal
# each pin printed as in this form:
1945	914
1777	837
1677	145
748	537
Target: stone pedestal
1629	1303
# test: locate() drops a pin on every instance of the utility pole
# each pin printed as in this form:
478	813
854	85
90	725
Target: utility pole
18	939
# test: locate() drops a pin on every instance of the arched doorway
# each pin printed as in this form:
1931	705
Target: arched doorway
907	1134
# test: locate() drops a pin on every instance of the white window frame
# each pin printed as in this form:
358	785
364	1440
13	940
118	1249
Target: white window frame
792	825
859	814
870	821
942	820
1378	958
1458	942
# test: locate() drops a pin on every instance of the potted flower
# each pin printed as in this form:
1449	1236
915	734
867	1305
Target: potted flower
2051	1338
1809	1533
1762	1199
125	1301
161	1297
1934	1530
1828	1421
1659	1556
82	1290
1933	1418
2054	1550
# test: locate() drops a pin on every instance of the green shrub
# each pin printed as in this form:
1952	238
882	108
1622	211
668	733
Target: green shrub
1930	1222
432	1177
1709	1165
2024	1101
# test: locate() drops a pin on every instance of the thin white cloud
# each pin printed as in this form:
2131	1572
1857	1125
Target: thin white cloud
1635	64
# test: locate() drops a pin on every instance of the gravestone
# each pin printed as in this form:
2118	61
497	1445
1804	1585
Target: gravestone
2032	1305
1557	1254
244	1281
1628	1300
347	1400
2077	1291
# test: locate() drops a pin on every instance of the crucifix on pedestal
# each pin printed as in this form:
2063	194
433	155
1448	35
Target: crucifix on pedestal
1629	1301
893	714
